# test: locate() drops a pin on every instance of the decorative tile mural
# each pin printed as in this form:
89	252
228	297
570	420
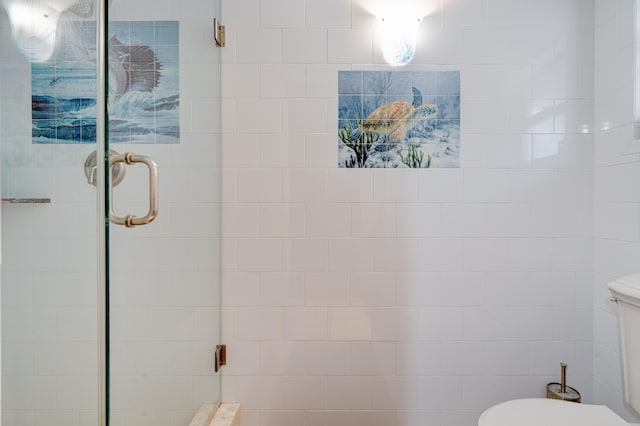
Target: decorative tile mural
399	119
143	98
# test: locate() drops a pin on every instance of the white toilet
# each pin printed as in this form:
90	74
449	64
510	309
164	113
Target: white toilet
552	412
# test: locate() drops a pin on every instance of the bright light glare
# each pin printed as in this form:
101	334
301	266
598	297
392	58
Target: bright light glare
33	27
398	35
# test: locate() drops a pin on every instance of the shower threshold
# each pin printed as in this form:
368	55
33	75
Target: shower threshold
217	414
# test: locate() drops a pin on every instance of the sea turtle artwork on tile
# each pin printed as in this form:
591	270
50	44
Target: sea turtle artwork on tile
396	118
399	119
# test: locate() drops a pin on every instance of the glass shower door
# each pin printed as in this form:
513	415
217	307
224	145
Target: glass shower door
49	225
164	85
65	261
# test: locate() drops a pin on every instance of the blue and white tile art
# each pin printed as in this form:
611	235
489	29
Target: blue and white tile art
143	98
398	119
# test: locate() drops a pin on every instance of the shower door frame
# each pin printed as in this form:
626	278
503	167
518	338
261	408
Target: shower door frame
102	173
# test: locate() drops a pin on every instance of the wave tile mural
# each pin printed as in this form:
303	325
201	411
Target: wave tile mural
398	119
143	97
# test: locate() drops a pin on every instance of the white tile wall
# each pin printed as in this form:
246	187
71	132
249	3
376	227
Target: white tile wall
354	297
409	297
616	248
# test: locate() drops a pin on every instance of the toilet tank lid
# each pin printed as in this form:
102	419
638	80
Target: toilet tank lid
627	286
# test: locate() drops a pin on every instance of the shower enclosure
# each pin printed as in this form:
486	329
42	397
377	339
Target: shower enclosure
110	262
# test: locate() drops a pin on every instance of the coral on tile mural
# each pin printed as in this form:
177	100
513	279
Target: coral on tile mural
399	119
143	97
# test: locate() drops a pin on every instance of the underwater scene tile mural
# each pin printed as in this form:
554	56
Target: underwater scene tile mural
143	97
391	119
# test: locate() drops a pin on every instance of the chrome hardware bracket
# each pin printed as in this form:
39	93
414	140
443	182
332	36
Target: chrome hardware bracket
117	172
130	220
221	357
219	33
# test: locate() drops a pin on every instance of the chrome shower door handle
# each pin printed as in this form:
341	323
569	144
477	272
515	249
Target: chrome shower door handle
130	220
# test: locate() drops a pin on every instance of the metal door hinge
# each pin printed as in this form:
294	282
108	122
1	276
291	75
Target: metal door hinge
219	33
221	356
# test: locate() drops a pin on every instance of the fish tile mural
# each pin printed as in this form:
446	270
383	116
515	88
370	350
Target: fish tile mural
398	119
143	96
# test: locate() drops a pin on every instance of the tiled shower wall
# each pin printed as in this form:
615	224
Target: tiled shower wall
616	197
401	297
